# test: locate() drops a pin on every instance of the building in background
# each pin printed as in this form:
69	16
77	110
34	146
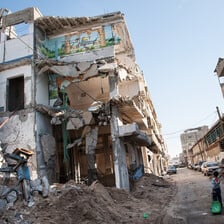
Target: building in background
73	94
189	138
209	145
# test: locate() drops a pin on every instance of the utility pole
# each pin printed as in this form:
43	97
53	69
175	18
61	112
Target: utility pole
220	117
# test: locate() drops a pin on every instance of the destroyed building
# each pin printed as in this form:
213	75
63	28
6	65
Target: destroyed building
72	93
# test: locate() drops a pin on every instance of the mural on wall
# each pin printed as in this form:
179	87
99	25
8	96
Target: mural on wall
74	43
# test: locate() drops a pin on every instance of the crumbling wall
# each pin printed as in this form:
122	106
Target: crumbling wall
18	132
129	87
9	42
125	47
95	64
83	94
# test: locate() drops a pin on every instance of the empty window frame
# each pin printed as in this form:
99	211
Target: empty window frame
16	93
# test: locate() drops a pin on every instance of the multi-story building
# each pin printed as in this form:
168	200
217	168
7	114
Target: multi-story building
210	146
74	95
189	138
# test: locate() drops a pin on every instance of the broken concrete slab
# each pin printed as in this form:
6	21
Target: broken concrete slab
74	123
3	204
12	197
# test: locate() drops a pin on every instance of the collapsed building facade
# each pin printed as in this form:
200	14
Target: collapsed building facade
72	93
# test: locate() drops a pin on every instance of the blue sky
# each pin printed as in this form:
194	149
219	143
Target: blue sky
177	45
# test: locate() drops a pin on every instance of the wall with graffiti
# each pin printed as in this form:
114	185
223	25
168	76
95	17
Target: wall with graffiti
78	42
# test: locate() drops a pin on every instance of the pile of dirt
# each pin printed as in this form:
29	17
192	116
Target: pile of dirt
72	203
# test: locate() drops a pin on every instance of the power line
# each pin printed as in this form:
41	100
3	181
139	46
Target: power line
198	122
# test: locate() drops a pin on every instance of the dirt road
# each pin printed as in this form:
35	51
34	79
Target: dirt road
191	205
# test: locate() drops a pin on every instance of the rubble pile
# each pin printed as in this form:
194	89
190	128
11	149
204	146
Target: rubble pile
72	203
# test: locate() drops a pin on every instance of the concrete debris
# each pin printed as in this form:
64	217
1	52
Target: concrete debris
8	197
81	70
127	64
55	121
4	190
36	185
120	100
99	113
11	197
3	204
48	146
75	123
41	186
95	107
107	68
76	118
88	118
85	131
91	141
45	183
53	112
94	204
77	142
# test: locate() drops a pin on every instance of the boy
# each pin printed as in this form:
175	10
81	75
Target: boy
216	189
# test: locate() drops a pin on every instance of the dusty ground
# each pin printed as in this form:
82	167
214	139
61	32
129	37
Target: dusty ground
71	203
192	202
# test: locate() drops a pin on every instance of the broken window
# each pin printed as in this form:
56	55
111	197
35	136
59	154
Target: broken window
16	93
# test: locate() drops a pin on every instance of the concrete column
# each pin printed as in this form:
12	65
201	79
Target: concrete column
91	141
119	152
132	157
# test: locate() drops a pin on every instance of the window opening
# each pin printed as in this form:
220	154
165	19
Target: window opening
16	94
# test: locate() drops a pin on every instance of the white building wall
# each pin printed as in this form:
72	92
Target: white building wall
15	49
13	73
42	90
19	131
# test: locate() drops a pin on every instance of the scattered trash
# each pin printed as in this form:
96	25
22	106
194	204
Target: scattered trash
138	172
145	215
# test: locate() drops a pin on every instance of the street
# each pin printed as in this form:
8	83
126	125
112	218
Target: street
191	204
